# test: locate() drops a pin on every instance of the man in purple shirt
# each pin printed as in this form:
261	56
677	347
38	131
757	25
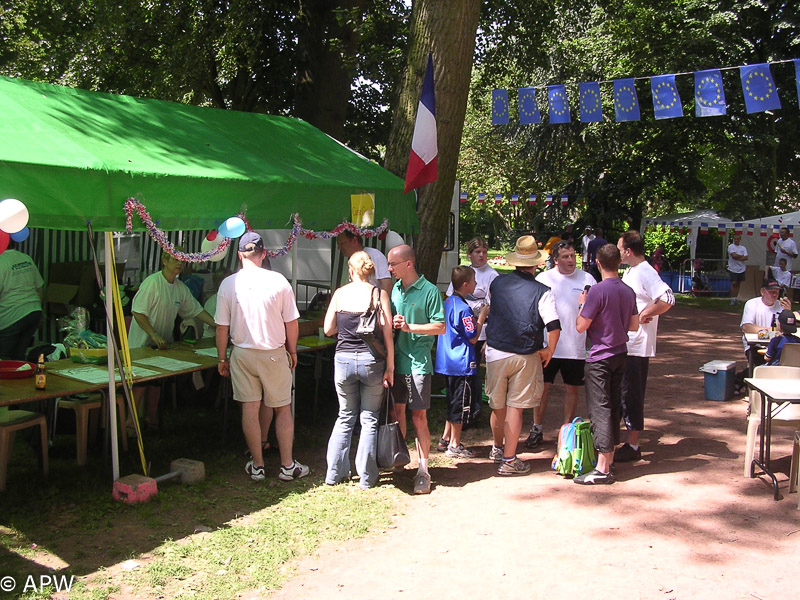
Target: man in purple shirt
607	312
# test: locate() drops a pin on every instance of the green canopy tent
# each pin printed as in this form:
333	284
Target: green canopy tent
74	156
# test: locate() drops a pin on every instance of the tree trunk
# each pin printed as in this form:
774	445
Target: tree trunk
327	42
447	29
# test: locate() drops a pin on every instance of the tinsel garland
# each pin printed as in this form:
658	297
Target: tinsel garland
158	236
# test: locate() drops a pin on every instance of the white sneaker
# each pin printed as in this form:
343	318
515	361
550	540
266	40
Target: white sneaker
256	473
295	471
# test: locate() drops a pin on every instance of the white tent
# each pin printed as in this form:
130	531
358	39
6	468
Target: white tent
758	235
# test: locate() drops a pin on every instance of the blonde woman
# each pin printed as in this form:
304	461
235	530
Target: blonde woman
359	377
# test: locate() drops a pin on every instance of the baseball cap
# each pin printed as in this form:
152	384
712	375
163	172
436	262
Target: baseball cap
250	241
788	321
771	284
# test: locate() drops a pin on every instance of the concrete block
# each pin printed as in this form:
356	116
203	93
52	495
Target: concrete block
132	489
191	471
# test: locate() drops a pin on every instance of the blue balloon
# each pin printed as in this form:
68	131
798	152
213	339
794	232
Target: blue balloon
21	235
232	227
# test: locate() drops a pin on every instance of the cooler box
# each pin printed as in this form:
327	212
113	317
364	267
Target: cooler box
720	378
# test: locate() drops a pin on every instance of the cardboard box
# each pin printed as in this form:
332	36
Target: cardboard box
73	284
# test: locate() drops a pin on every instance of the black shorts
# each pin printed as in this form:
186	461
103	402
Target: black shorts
571	370
459	398
737	276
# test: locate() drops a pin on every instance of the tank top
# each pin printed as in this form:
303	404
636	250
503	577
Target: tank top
347	322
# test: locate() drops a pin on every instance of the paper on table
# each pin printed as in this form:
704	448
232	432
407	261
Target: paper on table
168	364
212	352
99	375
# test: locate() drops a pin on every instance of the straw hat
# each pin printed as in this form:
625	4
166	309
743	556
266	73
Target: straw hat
526	253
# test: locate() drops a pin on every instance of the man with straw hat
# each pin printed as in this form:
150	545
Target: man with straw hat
523	311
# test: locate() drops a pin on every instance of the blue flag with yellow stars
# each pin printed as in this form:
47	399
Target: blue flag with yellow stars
559	107
666	101
709	96
499	107
626	104
796	62
528	109
591	109
759	89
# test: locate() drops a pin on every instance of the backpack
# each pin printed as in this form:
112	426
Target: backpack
576	454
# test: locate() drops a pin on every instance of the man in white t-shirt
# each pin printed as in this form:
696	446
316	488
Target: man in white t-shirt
257	309
758	315
588	236
162	297
566	284
350	243
780	274
737	264
785	247
653	298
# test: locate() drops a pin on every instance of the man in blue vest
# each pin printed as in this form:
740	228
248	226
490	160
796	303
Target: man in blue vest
523	310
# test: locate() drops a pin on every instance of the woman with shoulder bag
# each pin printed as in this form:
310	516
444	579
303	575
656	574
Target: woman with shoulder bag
360	374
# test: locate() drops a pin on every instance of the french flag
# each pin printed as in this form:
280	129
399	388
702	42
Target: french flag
422	160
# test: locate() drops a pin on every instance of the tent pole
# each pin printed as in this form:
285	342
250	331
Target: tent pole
294	291
112	386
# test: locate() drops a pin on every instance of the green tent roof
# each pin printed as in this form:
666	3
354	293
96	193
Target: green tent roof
74	156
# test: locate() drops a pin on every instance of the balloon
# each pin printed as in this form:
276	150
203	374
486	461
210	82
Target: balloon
21	235
232	227
13	215
4	238
211	241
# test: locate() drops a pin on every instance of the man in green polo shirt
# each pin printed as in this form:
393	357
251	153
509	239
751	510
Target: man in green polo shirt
418	318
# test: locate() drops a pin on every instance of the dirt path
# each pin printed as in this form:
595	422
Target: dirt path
681	523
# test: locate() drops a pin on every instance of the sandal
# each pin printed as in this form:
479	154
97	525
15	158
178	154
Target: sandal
264	447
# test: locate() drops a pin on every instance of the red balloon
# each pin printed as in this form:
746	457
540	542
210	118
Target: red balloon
212	235
4	239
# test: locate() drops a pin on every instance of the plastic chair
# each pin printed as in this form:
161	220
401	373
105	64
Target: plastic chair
12	421
794	471
783	415
790	355
82	406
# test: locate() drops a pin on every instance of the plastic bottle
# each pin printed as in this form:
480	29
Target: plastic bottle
40	375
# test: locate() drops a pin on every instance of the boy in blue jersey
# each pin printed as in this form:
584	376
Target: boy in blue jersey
787	327
455	356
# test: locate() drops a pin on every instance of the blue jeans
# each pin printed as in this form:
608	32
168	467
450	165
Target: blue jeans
359	384
15	339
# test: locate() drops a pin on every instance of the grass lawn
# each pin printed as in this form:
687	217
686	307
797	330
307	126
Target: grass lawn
220	538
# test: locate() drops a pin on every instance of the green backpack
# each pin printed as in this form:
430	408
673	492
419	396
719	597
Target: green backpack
576	454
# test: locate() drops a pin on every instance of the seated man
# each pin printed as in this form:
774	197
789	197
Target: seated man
780	274
759	315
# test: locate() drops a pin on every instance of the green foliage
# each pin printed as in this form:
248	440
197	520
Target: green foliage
675	247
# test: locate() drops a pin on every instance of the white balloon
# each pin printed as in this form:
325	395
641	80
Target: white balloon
207	245
13	215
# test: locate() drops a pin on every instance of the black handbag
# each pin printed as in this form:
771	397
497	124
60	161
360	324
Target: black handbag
369	328
392	449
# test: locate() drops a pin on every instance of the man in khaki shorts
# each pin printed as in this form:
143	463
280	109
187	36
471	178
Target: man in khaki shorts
256	307
523	310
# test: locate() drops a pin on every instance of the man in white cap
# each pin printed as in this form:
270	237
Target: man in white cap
256	307
523	312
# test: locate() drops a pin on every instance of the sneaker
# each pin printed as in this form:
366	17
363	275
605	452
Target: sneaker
534	440
595	477
256	473
626	453
422	483
515	467
442	445
295	471
733	301
459	452
496	454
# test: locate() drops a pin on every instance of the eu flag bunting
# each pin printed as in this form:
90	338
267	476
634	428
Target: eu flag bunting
759	89
559	107
796	62
528	109
666	101
709	95
591	109
626	104
499	107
